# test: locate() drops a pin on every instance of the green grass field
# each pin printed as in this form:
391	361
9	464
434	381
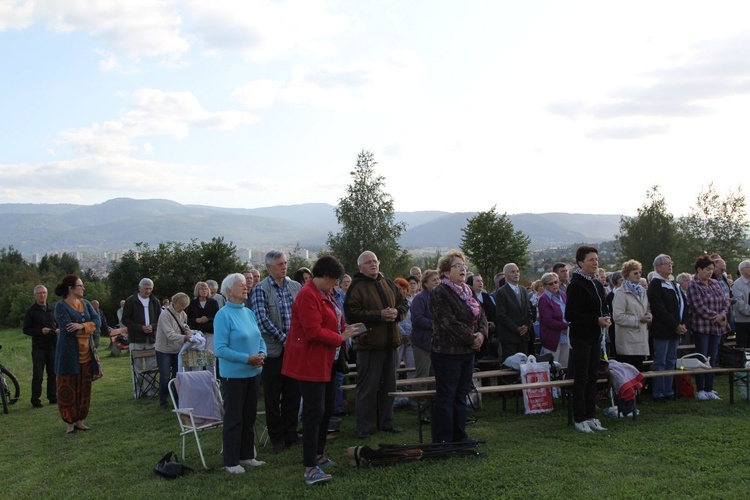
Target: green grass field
674	450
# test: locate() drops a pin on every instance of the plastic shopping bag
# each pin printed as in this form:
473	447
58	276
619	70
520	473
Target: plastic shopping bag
536	400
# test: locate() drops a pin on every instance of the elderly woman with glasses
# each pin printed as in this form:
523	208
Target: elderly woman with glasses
632	315
553	329
459	329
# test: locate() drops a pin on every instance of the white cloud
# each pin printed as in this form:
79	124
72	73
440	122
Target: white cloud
258	94
370	84
152	113
264	29
132	28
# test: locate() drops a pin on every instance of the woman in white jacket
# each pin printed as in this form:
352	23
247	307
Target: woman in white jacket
631	316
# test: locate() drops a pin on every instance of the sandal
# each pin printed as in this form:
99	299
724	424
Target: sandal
316	476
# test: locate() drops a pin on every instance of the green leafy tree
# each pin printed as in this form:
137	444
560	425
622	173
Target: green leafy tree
649	233
715	224
490	241
368	222
173	267
59	265
124	276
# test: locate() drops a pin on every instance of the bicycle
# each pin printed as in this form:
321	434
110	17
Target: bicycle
10	391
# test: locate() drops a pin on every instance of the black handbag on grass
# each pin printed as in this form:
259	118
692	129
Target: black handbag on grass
171	470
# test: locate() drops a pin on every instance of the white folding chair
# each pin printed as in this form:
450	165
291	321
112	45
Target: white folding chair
198	405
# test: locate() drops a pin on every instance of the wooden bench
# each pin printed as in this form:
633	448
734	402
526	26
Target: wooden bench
428	393
405	382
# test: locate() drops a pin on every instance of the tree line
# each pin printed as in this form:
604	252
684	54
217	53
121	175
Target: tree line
367	218
715	224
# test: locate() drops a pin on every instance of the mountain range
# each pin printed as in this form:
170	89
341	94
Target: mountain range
117	224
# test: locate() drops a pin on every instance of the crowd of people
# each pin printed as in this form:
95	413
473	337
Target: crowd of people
295	337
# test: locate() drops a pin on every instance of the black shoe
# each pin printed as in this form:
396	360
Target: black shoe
37	404
393	430
277	448
53	401
363	435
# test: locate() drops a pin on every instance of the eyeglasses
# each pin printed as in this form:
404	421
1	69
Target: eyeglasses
552	283
371	262
458	265
81	286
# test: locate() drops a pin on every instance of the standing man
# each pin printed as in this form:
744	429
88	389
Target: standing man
272	302
39	324
374	300
513	315
252	278
140	315
563	274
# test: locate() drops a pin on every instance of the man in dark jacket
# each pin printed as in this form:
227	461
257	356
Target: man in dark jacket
513	314
373	299
669	312
140	315
39	324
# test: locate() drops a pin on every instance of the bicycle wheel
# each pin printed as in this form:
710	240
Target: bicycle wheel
14	390
4	393
11	387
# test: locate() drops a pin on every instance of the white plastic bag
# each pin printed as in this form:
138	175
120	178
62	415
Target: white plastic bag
536	400
694	361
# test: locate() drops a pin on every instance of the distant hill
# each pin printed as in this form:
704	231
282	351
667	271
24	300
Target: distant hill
117	224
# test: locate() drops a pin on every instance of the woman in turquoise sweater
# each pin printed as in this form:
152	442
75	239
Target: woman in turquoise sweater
242	351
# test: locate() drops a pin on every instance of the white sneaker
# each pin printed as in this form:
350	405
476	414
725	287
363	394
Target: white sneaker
595	425
235	469
702	396
583	426
713	395
252	463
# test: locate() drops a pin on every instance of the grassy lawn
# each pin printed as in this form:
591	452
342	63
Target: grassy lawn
682	449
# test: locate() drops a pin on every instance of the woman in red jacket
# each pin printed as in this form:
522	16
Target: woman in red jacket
316	334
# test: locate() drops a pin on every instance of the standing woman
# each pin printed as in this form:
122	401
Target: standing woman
421	321
171	333
242	352
459	329
76	360
315	336
202	311
709	309
631	315
586	312
553	329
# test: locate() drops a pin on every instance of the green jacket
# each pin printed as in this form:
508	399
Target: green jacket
364	300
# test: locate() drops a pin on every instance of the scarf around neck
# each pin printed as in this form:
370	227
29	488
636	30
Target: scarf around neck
466	294
636	288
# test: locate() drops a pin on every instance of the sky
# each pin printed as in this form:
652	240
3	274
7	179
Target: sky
537	106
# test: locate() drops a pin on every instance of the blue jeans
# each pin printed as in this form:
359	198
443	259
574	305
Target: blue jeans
167	363
708	345
665	358
452	384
